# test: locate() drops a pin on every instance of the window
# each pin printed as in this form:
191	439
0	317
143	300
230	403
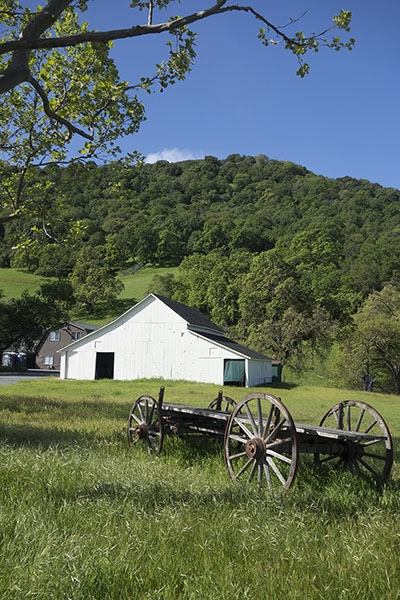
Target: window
48	360
76	335
54	336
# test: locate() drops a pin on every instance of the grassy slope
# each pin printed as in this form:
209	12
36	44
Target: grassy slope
138	284
136	287
14	281
84	516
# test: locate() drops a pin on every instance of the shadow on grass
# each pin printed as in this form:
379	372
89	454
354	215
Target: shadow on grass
160	494
320	490
62	410
343	499
46	437
280	386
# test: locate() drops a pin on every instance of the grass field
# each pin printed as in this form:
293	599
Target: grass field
83	516
14	281
138	284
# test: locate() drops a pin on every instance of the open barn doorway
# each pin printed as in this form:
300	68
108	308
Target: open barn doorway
234	372
104	365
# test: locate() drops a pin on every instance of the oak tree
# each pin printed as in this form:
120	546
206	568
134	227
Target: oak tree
371	351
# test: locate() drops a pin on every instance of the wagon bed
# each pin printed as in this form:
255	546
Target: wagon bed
262	442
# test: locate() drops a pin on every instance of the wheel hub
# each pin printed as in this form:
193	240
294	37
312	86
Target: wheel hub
142	431
350	450
255	448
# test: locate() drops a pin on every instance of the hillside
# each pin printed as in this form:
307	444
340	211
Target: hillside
136	285
158	214
281	258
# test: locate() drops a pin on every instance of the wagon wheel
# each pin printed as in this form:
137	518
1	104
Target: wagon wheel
145	423
372	457
226	404
260	445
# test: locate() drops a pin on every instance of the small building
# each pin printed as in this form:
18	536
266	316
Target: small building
54	338
159	337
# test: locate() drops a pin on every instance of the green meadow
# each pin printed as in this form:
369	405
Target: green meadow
84	516
136	286
15	281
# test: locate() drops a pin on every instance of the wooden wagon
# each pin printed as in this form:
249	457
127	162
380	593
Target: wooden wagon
262	443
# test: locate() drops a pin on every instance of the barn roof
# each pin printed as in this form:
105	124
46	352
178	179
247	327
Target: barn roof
193	316
235	346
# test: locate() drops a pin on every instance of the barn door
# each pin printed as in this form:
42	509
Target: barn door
234	372
104	365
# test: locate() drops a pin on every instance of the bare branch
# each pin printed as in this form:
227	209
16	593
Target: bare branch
150	19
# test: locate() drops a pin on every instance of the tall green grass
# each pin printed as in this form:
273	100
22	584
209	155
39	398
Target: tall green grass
84	516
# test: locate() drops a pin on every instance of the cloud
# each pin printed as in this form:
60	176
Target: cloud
173	155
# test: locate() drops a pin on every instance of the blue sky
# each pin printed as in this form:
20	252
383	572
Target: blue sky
342	119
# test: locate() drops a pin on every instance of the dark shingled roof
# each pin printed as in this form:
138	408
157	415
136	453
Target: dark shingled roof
191	315
87	326
235	346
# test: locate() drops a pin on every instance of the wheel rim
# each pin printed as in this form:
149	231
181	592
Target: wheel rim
226	403
145	424
373	457
260	445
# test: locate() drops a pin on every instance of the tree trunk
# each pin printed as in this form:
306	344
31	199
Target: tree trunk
368	382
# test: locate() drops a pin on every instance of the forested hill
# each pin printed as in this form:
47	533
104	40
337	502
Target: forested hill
161	213
282	258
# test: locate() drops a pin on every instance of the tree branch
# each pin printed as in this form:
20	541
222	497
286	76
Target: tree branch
150	19
50	113
18	69
135	31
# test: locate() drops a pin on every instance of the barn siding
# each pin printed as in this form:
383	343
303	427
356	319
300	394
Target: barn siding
153	341
258	372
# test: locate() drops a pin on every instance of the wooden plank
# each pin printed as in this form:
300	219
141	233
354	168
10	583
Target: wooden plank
219	415
336	434
170	409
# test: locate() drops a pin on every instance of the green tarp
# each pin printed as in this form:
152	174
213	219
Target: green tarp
234	370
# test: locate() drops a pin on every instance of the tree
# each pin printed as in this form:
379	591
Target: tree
277	316
371	351
24	320
295	338
58	82
316	253
94	284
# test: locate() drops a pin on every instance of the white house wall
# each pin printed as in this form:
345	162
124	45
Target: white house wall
153	341
258	372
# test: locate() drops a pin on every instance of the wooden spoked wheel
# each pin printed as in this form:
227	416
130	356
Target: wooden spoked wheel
260	445
365	456
145	424
225	404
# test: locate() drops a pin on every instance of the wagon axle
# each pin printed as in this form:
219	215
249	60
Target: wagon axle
349	450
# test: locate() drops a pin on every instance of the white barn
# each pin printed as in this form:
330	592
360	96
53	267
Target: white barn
159	337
